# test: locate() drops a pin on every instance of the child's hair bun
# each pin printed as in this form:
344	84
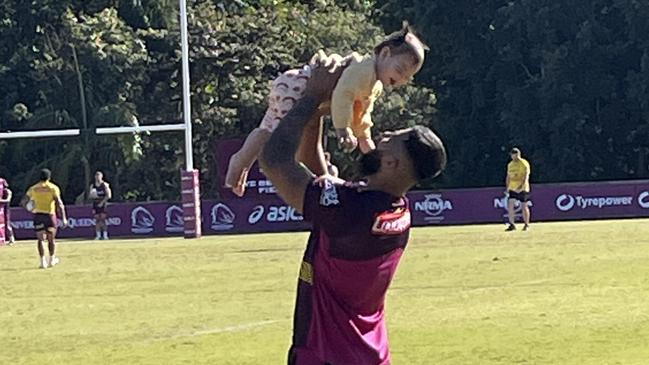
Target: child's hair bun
403	41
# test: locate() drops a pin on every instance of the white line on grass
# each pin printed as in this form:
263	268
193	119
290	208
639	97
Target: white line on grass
236	328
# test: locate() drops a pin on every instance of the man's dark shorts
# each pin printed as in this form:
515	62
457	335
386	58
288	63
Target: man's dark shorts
97	210
44	222
522	197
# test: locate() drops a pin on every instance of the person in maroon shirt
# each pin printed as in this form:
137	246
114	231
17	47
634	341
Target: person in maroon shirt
358	236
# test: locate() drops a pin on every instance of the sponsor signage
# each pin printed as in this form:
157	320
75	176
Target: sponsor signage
433	206
222	217
142	221
643	199
174	222
566	202
270	214
273	214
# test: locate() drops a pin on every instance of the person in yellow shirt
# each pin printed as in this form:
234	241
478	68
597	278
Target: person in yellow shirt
42	199
393	64
518	188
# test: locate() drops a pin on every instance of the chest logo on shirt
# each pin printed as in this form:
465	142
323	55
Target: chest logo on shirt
329	195
392	222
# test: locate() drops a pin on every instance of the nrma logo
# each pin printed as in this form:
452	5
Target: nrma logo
434	206
501	203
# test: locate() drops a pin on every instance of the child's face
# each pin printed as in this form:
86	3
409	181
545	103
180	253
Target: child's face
396	70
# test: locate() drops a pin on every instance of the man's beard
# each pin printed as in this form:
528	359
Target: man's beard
370	163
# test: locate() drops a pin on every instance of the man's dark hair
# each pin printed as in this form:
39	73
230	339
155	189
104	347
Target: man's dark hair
398	45
426	151
45	175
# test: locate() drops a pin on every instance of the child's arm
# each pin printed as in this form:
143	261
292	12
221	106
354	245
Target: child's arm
363	133
343	96
362	124
342	112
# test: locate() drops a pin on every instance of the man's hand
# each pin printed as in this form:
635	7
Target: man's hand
321	181
325	72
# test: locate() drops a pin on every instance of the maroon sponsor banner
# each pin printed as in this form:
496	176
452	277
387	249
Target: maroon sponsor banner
249	216
124	219
270	214
592	201
167	219
258	185
464	206
548	202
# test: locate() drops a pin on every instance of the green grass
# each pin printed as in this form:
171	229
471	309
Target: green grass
563	293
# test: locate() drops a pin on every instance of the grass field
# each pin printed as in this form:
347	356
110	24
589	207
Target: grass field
563	293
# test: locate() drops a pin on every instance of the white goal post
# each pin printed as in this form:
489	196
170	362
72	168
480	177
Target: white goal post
189	178
186	126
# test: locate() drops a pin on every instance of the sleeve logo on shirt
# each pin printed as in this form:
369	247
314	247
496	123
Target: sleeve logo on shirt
392	222
329	195
306	272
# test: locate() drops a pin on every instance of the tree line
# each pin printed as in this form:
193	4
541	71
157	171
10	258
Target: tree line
566	81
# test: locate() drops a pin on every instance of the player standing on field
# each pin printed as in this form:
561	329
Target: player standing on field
5	200
100	193
358	236
518	188
42	199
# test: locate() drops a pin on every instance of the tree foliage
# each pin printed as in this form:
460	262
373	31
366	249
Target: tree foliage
125	58
564	80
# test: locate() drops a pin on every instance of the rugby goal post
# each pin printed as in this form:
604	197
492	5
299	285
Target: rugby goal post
189	179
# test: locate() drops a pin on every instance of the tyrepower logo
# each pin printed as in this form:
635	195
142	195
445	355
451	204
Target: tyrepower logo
566	202
643	200
274	214
434	206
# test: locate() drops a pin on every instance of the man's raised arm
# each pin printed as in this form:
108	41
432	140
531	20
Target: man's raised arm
278	157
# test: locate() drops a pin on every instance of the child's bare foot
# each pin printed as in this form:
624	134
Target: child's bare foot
240	187
366	145
233	173
236	176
